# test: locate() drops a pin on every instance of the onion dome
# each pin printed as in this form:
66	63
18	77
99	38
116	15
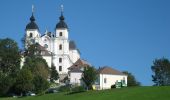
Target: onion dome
32	24
61	23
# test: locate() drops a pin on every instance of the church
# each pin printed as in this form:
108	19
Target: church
56	48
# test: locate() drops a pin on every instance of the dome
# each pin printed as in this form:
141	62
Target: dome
61	23
32	24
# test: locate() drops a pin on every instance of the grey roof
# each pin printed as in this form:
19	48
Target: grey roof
109	70
79	64
61	23
72	45
32	24
43	50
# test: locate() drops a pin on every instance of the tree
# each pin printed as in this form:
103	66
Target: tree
24	81
89	76
161	70
9	57
131	80
54	74
40	83
6	83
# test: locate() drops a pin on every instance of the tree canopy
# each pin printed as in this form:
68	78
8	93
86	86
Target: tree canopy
89	76
161	72
131	80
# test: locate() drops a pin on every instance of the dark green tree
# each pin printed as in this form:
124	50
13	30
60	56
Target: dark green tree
9	57
24	81
54	74
41	84
131	80
89	76
161	70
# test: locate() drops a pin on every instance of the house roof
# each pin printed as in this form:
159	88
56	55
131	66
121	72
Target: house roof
77	70
43	50
109	70
79	64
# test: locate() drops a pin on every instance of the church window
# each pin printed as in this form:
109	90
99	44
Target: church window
31	35
45	45
60	47
60	68
60	34
105	80
60	60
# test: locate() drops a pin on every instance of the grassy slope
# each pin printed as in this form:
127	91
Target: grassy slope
136	93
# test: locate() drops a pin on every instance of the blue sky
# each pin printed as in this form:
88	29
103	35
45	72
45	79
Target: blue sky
125	34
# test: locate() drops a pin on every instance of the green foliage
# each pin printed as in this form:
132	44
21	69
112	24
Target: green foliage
65	88
40	84
5	83
161	70
89	76
131	80
24	81
9	56
77	89
54	74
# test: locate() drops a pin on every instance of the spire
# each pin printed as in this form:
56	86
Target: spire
62	11
32	17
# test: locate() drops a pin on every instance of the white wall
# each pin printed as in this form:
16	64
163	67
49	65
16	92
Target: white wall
75	78
74	55
110	80
48	60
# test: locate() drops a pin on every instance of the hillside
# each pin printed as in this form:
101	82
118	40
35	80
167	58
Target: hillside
135	93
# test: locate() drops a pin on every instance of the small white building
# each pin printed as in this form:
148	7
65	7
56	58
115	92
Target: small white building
108	76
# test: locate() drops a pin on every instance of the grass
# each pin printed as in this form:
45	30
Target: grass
133	93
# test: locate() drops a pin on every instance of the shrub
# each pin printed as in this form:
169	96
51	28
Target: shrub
65	88
113	86
78	89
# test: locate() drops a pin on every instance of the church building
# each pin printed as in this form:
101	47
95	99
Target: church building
56	48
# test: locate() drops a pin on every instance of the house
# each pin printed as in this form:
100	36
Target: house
76	72
108	76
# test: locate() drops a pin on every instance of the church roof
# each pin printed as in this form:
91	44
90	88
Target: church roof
61	23
109	70
43	50
79	64
32	24
72	45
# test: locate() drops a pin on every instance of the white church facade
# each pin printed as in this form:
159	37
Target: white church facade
56	47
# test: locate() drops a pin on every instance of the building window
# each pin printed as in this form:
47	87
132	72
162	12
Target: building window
31	35
60	47
45	45
60	34
60	60
105	80
60	68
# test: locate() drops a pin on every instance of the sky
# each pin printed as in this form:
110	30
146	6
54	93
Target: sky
124	34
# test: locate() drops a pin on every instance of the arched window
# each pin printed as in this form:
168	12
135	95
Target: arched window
60	47
30	35
45	45
60	60
60	34
60	68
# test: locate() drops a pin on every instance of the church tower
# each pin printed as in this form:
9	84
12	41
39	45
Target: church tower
32	31
61	46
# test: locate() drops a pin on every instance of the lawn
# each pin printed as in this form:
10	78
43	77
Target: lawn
135	93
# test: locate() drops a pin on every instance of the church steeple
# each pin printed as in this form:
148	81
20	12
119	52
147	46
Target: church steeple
61	23
32	24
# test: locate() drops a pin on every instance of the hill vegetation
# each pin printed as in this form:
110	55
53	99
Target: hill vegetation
132	93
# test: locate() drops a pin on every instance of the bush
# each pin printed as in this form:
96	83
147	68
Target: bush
65	88
78	89
113	86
